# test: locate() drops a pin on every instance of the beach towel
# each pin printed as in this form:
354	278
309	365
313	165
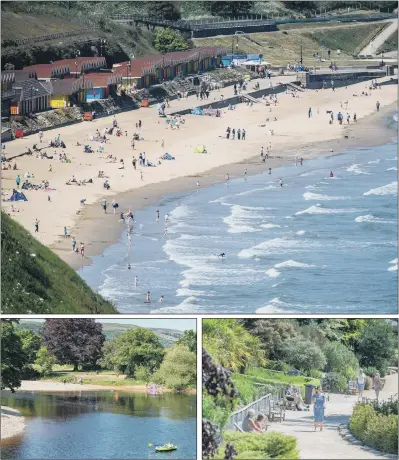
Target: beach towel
200	149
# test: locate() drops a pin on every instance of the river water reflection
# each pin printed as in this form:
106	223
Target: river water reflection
101	424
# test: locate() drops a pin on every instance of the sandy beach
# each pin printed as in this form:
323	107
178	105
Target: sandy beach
295	134
12	422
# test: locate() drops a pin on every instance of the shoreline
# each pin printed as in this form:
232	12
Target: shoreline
55	387
294	135
359	136
12	423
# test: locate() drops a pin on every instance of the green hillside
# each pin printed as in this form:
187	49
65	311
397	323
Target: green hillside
35	280
167	336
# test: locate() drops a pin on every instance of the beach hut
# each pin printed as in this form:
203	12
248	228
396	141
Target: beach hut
102	85
68	92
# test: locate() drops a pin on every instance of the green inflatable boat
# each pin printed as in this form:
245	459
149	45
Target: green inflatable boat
165	448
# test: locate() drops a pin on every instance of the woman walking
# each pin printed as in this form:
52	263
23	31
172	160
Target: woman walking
319	405
377	384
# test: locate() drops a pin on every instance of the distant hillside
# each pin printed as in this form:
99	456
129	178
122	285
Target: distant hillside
167	336
35	280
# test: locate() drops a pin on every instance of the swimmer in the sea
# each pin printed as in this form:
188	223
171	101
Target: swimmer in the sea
270	170
222	255
331	174
157	215
129	266
161	299
281	182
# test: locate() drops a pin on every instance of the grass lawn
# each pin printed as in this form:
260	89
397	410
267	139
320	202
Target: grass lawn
284	46
280	377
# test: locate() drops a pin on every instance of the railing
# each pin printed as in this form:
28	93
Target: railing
261	405
41	38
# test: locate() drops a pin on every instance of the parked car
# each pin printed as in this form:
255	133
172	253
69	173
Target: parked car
294	372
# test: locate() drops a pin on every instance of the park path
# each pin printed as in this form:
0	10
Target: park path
328	444
379	40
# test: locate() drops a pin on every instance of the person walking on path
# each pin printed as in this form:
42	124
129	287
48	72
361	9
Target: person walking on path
319	405
360	383
377	385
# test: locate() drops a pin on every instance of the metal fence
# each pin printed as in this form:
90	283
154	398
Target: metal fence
42	38
261	405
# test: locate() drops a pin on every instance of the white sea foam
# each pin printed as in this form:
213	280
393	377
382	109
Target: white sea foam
394	268
389	189
356	169
241	219
270	226
180	212
255	190
272	273
392	169
394	261
274	306
373	162
189	305
185	292
317	209
300	232
276	245
373	220
316	196
292	264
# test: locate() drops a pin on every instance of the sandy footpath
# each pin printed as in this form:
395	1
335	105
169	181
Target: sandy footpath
12	422
43	385
294	135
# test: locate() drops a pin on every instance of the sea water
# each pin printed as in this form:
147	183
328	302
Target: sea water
316	245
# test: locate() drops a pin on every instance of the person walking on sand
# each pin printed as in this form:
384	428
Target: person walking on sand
378	106
104	205
41	136
377	385
319	406
310	112
37	222
18	180
246	173
134	163
243	134
82	250
65	232
141	175
227	177
114	206
261	152
73	244
348	118
361	380
162	143
233	134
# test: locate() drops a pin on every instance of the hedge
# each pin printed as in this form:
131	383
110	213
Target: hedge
260	446
375	429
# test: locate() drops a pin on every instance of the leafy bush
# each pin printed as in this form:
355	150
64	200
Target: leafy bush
278	366
269	445
142	374
371	371
374	429
340	359
334	383
217	410
316	374
386	407
304	354
28	373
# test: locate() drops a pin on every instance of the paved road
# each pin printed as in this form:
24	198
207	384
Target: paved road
328	444
380	39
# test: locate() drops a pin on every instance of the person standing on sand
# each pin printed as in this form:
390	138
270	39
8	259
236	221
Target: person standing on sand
238	133
355	117
141	175
243	134
114	206
348	118
73	244
227	178
18	180
134	163
82	250
162	143
104	205
37	222
261	152
41	136
310	112
378	106
233	134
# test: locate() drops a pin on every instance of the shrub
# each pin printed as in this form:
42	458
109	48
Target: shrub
217	410
386	407
371	371
28	373
269	445
334	383
375	429
277	366
340	359
303	354
316	374
142	374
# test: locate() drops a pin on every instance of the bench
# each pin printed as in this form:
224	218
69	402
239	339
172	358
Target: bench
352	387
277	411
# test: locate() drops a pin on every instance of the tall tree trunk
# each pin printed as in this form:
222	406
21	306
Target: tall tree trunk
75	367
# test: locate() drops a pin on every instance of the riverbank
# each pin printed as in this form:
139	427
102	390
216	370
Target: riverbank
294	135
52	386
12	422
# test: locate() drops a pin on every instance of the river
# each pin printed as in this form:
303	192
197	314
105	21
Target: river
101	424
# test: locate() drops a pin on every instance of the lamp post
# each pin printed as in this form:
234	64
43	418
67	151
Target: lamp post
102	44
128	71
77	54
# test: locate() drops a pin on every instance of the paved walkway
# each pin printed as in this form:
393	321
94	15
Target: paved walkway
328	444
380	39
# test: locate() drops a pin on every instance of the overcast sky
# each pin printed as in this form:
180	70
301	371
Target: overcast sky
181	324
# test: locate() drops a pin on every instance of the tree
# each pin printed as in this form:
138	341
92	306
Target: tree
30	343
45	360
74	341
189	339
229	9
300	5
164	10
231	345
272	333
304	355
178	370
168	40
133	348
340	359
13	359
377	344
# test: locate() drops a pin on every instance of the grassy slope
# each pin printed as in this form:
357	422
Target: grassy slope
42	283
390	45
283	46
167	336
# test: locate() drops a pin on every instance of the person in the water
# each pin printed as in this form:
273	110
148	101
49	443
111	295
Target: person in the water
331	174
281	182
136	281
148	297
129	266
222	255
